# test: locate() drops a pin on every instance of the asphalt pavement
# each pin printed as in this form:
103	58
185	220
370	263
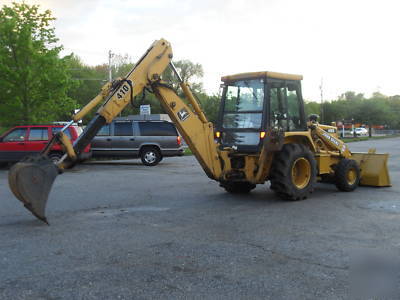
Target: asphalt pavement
121	230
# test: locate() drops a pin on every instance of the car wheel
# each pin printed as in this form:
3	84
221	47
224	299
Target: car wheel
55	157
150	156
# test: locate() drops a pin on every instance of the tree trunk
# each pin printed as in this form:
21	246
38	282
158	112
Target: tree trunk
369	129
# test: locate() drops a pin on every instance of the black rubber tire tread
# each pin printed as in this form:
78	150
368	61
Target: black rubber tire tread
341	170
281	177
238	187
156	151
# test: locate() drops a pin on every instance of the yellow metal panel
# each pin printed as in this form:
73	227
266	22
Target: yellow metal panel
324	162
251	75
300	137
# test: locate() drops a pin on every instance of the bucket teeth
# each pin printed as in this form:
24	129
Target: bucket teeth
31	180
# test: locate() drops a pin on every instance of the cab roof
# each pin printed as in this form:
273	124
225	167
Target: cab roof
251	75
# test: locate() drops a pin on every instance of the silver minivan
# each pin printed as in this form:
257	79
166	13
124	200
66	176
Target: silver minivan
149	140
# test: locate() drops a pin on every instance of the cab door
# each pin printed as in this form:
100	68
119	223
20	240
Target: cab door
286	108
13	145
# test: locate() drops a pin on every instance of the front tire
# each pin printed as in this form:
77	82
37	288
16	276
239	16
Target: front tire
347	175
150	156
293	172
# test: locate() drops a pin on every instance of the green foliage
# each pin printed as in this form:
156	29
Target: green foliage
190	72
210	105
33	79
376	110
311	108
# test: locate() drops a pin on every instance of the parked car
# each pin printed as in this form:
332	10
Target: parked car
22	141
149	140
360	131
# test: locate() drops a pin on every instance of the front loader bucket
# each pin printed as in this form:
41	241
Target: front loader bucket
31	180
373	166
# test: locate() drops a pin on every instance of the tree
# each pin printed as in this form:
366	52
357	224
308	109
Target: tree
311	107
33	79
190	72
89	80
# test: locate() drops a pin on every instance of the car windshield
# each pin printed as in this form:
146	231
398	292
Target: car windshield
244	101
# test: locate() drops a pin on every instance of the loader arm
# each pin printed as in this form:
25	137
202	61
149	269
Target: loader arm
190	120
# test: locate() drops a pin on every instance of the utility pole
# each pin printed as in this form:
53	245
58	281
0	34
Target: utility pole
321	89
110	56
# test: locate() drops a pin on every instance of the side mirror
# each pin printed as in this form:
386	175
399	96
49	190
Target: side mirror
1	139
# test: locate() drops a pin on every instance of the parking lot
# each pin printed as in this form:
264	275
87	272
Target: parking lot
123	230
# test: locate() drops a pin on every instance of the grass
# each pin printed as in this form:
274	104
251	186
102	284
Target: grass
187	151
366	138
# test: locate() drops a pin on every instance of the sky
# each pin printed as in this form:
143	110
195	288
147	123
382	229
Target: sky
345	44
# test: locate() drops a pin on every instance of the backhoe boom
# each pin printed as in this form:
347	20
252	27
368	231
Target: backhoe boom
192	124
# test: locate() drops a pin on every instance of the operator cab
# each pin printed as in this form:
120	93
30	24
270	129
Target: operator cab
253	103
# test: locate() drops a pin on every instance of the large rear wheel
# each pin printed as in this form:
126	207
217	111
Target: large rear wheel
293	172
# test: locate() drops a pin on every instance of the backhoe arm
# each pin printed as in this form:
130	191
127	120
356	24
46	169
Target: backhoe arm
120	93
192	124
31	180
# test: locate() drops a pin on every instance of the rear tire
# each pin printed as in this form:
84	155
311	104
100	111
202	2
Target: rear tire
150	156
347	175
293	172
238	187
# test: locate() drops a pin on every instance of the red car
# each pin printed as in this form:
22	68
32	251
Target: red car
22	141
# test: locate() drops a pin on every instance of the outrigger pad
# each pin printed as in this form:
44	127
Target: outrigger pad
31	180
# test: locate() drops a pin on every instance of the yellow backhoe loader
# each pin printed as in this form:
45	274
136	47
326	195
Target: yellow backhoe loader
262	135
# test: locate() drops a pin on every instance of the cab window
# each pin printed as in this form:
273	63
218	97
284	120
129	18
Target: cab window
38	134
293	103
17	135
285	106
278	107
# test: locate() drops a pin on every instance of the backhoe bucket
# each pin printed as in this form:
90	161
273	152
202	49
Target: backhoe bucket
373	166
31	180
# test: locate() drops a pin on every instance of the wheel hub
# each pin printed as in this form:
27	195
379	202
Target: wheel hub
150	157
351	176
301	172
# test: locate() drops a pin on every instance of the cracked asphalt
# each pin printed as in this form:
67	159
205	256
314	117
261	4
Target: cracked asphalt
121	230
